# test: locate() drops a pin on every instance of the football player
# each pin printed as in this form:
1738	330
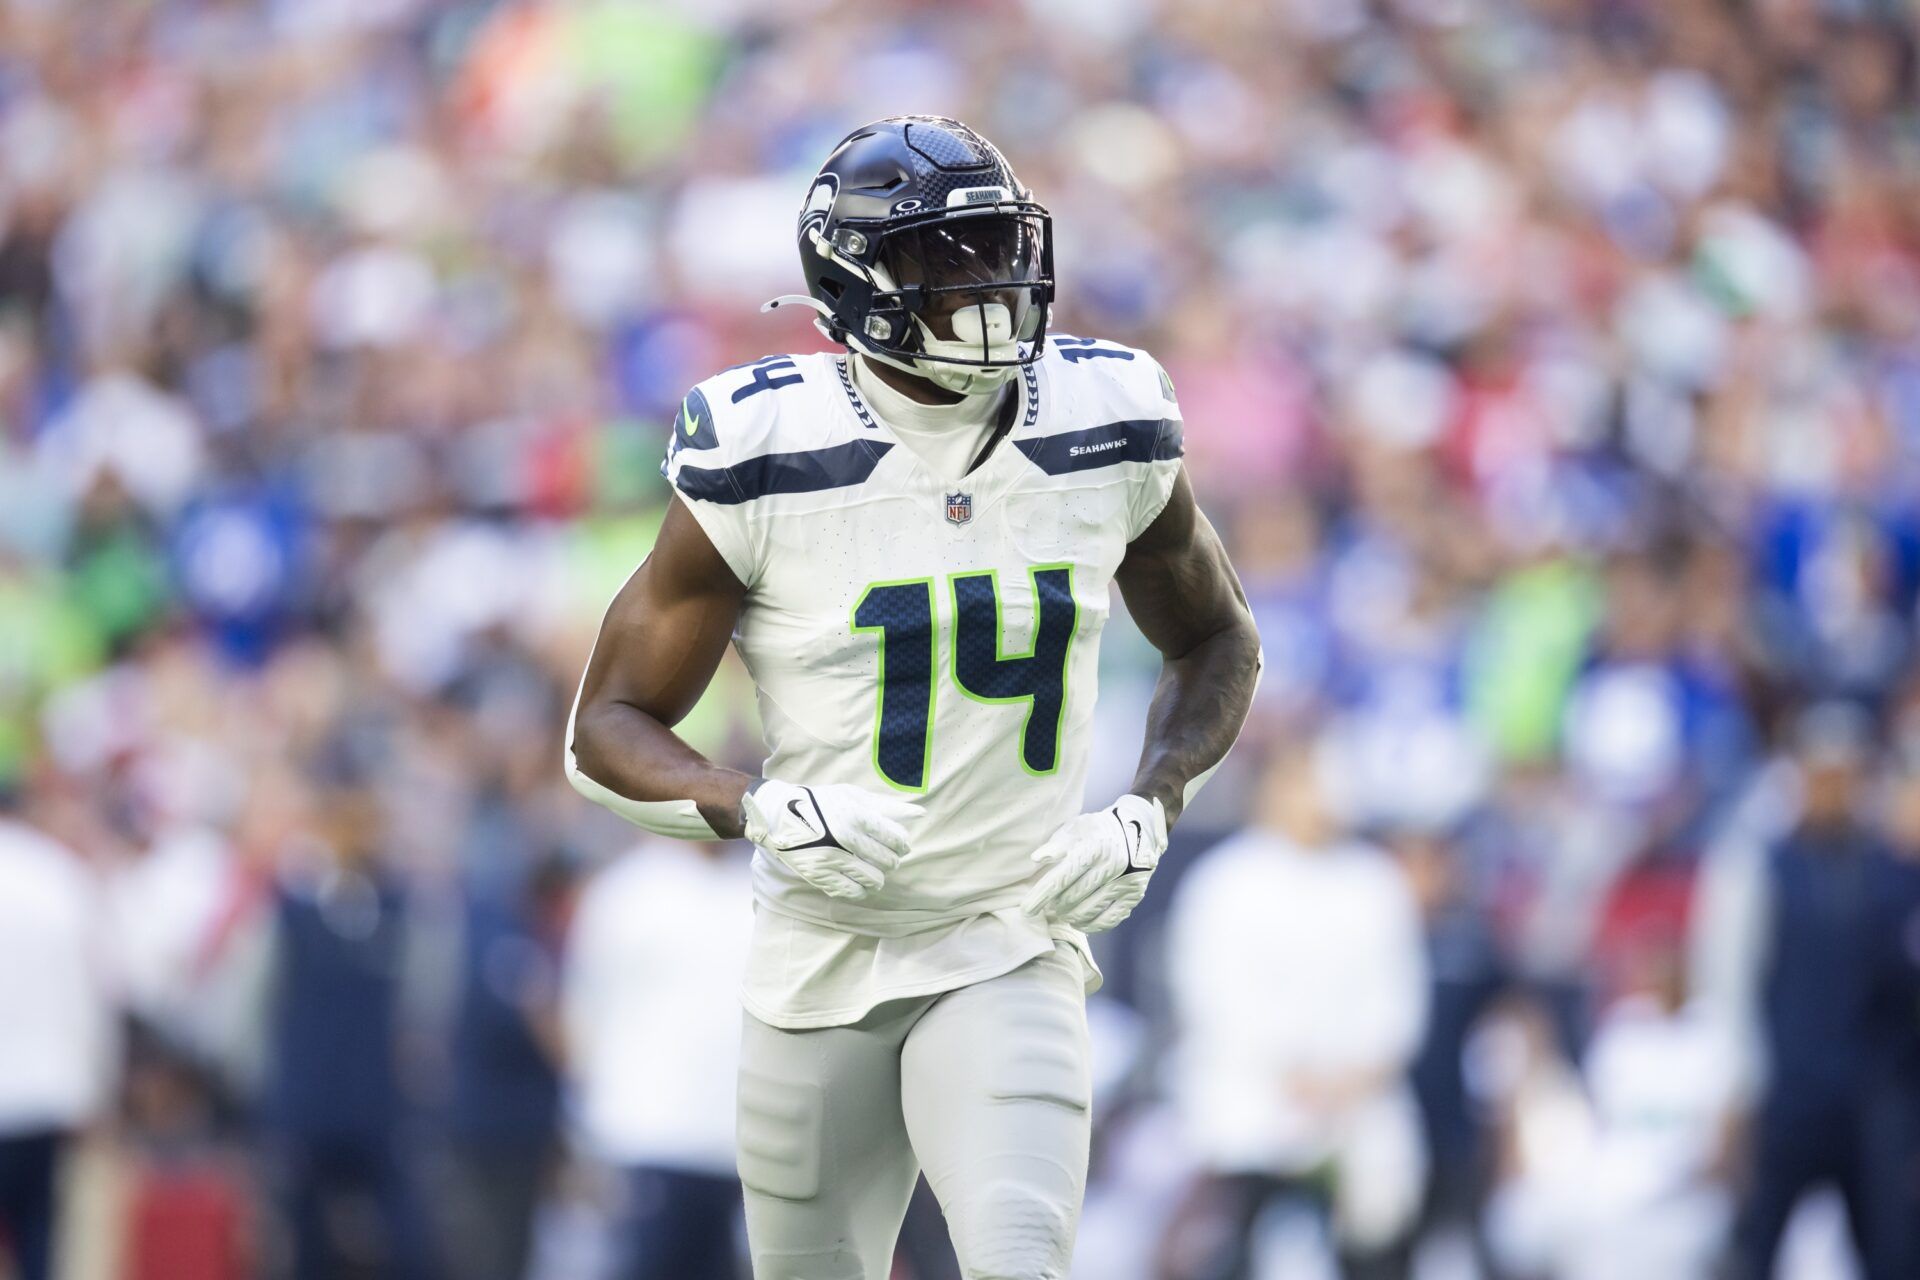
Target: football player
910	545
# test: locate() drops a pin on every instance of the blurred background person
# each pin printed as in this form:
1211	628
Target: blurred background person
655	961
1895	1099
57	1042
501	1119
1625	1170
1663	1081
1542	1125
334	1108
1468	975
1300	987
1815	947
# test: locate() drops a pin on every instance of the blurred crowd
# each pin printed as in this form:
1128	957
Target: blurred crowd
1551	367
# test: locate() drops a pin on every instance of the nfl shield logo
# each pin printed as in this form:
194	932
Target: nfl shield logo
959	508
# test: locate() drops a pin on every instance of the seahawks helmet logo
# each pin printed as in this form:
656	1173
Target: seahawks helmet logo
813	214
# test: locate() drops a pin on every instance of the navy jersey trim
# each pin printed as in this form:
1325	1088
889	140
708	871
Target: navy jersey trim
807	471
1136	440
693	426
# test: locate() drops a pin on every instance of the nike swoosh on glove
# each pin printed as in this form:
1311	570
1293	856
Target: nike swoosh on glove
1100	864
841	839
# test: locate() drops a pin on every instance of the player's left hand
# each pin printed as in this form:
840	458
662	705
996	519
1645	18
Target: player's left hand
1100	864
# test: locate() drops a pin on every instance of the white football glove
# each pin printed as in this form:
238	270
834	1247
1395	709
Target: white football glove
1101	862
840	839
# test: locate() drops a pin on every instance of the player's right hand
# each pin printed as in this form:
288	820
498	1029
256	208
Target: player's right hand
841	839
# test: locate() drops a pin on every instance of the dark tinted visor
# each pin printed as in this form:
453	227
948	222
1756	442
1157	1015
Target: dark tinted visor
966	260
965	251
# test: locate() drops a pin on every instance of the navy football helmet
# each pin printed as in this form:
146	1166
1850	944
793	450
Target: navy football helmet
921	248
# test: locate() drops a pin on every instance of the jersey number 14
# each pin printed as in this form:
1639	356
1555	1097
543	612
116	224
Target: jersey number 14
903	615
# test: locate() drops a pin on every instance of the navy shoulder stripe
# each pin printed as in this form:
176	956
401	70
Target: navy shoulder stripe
1136	440
807	471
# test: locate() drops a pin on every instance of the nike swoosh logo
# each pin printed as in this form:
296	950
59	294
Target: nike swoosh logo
1138	830
827	839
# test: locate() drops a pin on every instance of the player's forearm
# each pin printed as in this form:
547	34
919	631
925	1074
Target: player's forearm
630	753
1199	704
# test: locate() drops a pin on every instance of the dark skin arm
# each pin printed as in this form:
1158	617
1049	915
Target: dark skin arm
660	643
1187	601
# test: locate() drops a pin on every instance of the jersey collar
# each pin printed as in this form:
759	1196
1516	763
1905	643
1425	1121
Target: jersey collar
1030	398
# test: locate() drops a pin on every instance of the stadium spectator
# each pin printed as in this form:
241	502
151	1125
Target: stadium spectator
1468	976
334	1105
1300	987
651	997
501	1120
57	1023
1639	1180
1817	948
1895	1097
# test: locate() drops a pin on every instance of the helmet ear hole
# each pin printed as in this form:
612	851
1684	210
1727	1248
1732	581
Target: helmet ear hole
832	288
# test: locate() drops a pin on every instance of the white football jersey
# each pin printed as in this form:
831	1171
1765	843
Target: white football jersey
938	639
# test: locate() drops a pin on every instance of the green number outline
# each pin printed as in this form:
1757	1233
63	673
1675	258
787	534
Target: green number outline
1033	642
880	694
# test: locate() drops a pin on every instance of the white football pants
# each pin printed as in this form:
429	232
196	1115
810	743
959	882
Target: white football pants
986	1086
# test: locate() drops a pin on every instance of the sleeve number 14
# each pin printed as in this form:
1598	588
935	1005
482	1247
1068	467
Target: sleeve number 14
903	615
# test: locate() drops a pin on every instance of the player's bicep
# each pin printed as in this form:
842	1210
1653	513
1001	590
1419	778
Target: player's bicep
1176	578
665	633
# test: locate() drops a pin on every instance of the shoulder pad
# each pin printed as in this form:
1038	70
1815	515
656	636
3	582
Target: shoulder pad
1127	381
742	433
1107	404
